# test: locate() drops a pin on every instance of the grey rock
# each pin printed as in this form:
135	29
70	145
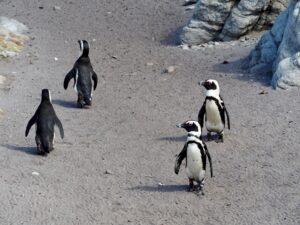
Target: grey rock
229	19
278	51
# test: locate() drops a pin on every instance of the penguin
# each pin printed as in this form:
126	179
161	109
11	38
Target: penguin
195	151
214	110
83	75
45	118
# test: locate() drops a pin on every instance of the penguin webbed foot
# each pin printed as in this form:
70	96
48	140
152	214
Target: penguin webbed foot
80	104
220	139
191	186
199	189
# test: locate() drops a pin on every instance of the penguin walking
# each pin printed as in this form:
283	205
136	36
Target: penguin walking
195	151
83	75
214	110
45	118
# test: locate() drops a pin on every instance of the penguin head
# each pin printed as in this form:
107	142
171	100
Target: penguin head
84	47
46	95
192	127
212	87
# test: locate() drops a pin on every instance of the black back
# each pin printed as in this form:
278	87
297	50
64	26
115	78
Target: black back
45	118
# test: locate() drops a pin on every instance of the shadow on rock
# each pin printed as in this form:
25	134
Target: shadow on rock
175	139
173	39
64	103
27	150
162	188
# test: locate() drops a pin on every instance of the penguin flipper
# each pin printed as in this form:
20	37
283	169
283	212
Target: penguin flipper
226	112
68	77
209	159
179	159
201	115
95	79
60	127
227	115
30	123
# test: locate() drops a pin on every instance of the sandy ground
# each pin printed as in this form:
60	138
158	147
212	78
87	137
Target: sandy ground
130	130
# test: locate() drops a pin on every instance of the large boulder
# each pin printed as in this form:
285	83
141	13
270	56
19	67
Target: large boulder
229	19
278	51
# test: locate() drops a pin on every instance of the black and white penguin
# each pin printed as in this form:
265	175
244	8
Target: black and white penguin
213	110
45	118
195	151
83	75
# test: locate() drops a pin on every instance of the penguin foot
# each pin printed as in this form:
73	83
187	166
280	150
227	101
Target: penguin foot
199	190
221	139
199	193
80	104
191	186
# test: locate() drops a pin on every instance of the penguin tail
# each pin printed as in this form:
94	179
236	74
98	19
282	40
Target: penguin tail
46	145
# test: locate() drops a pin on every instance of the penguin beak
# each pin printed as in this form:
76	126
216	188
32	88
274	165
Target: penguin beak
180	125
201	83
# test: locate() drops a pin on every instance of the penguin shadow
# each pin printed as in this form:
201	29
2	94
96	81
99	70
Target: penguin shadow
213	137
27	150
162	188
175	139
65	104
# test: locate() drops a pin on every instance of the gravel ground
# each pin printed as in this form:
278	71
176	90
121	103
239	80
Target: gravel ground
115	165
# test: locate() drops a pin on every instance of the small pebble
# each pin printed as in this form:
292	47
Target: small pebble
108	172
34	173
150	64
55	8
2	79
170	69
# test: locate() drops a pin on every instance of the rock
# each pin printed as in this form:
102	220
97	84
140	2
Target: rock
229	19
278	51
191	7
263	92
56	8
150	64
189	2
12	39
170	69
185	47
108	172
34	173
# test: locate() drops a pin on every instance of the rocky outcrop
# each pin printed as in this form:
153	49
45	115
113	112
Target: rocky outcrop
229	19
12	38
278	51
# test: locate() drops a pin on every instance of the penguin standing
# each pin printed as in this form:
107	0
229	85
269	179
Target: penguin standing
195	151
45	118
83	74
213	109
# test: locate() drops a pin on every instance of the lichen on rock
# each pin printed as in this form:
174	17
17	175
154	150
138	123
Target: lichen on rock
12	37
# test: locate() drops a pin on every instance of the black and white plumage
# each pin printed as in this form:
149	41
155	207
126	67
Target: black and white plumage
84	76
213	110
45	118
196	154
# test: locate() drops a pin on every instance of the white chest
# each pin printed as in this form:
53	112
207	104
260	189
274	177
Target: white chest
194	163
213	117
